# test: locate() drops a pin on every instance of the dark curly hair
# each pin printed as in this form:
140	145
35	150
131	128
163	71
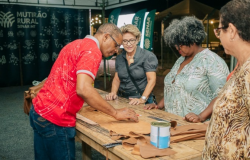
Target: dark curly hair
187	31
237	12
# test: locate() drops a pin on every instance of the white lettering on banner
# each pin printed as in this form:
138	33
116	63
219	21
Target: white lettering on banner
136	21
29	19
32	14
112	19
24	19
147	32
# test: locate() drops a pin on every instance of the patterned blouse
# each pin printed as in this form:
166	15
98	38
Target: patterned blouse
196	85
228	134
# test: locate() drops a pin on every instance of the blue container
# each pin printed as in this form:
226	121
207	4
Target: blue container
160	134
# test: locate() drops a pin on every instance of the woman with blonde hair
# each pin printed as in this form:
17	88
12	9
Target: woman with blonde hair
135	75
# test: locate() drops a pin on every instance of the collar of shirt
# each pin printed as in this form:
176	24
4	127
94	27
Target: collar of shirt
94	39
137	53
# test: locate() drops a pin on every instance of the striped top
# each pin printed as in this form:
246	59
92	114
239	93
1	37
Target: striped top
196	85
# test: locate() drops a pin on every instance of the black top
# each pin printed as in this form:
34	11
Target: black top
144	61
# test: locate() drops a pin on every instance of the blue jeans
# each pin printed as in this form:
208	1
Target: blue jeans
52	142
150	99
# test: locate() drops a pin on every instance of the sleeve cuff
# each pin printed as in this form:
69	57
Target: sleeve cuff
86	72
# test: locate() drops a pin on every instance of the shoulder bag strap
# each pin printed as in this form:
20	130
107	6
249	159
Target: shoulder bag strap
132	79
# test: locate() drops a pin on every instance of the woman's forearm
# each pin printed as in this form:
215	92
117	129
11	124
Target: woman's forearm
151	78
115	84
204	115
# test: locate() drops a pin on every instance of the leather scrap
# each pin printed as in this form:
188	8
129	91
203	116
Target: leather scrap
142	146
188	129
184	137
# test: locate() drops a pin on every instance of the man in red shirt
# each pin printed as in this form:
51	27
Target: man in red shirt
69	84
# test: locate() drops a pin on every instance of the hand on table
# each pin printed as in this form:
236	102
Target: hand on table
150	106
126	113
191	117
136	101
111	96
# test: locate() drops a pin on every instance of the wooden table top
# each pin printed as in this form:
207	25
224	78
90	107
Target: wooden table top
191	149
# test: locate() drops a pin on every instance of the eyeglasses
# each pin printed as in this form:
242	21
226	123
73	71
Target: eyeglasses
117	46
131	41
218	30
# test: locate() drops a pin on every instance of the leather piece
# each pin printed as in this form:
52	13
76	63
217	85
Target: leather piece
142	146
110	123
189	129
184	137
136	140
29	95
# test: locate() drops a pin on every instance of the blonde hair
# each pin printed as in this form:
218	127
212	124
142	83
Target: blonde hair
129	28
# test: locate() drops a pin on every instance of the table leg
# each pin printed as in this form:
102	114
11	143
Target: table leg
86	151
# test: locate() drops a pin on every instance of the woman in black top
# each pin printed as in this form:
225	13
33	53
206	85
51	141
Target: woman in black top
141	64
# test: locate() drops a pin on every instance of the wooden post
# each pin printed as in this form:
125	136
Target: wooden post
86	151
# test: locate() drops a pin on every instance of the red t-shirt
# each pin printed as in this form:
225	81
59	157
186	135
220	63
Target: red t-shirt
58	101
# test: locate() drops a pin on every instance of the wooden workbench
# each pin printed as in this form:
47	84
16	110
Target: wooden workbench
95	136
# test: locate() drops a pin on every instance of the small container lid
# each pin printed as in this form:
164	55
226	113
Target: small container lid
160	124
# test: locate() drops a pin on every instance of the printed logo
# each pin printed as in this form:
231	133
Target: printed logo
6	19
147	43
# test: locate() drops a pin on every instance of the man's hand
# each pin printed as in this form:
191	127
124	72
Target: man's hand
126	114
150	106
191	117
111	96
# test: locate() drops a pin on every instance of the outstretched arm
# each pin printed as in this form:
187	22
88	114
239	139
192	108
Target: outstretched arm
86	91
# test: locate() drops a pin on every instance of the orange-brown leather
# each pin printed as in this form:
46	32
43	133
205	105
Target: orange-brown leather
29	95
189	129
142	146
110	123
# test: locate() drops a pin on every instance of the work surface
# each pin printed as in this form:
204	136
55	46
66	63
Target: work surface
95	136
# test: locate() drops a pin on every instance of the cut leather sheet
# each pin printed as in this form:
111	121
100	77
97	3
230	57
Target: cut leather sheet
188	129
142	146
184	137
110	123
129	143
116	136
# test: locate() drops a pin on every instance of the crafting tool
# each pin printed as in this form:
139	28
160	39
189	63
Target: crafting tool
158	119
110	145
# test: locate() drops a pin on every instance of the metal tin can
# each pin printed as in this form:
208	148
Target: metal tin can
160	134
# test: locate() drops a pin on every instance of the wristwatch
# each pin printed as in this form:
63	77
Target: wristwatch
144	98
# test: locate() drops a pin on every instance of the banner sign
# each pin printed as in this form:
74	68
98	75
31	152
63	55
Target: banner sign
31	38
113	16
149	30
138	20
